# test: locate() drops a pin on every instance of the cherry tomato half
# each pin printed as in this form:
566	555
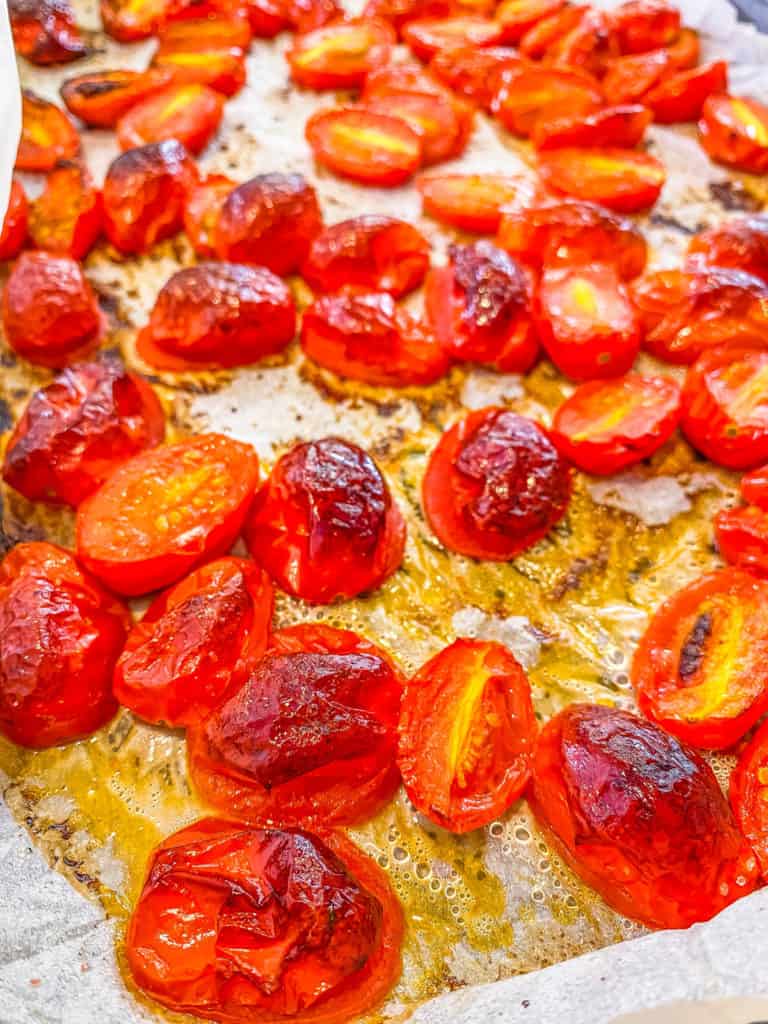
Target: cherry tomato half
612	126
13	231
66	217
630	79
205	52
357	143
748	795
341	54
754	487
129	20
442	123
188	113
680	97
527	95
473	202
539	39
45	31
621	179
589	45
428	35
734	131
518	16
201	213
740	243
100	98
645	24
472	71
47	135
742	538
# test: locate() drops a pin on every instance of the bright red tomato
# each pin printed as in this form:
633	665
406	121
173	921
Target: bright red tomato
428	35
100	98
45	31
740	243
748	795
620	179
205	52
201	213
734	131
341	54
472	71
129	20
681	96
528	95
66	217
442	123
754	487
742	538
539	39
518	16
357	143
622	126
188	113
630	79
645	24
47	135
13	231
473	202
589	45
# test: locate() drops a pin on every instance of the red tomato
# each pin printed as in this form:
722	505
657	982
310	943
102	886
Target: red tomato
742	538
129	20
740	243
754	487
47	135
607	425
45	32
684	51
399	12
441	125
519	16
629	79
699	670
586	322
589	45
367	253
622	126
166	511
734	131
473	202
467	732
188	113
639	817
368	337
267	18
324	525
201	213
13	231
306	15
539	38
472	71
620	179
645	24
428	35
526	96
340	55
681	96
60	636
409	76
372	148
205	52
195	26
299	927
495	484
310	738
748	796
66	217
100	98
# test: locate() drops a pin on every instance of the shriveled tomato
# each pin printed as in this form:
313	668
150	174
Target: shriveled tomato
754	487
620	179
166	511
368	337
639	817
622	126
539	38
13	231
681	96
66	217
50	313
47	135
76	430
341	54
473	202
60	636
734	131
267	18
589	45
495	484
100	98
645	24
129	20
527	95
375	149
201	212
367	253
145	191
204	52
428	35
472	71
467	734
300	927
629	79
748	796
269	220
190	114
441	123
742	537
45	31
218	314
518	16
310	738
740	243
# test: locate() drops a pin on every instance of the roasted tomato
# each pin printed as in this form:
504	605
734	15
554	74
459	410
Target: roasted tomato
49	310
527	95
725	405
629	79
680	97
237	924
340	55
685	50
76	430
188	113
367	253
495	484
100	98
639	817
700	668
368	337
516	17
60	636
47	135
607	425
310	738
428	35
66	217
198	26
399	12
324	525
734	131
375	149
472	71
13	231
645	25
218	314
306	15
749	798
586	322
740	243
267	18
541	37
588	46
480	307
548	232
467	733
129	20
472	202
205	52
442	123
622	126
410	76
269	220
201	213
620	179
742	537
145	192
45	32
166	511
754	487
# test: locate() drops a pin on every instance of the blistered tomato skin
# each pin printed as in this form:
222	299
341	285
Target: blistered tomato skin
201	212
740	243
235	924
742	537
47	135
66	217
188	113
100	98
60	636
639	817
13	232
734	131
310	738
324	525
748	795
45	32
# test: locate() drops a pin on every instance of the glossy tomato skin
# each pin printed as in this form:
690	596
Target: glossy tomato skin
589	45
472	202
302	927
267	18
622	125
754	487
681	96
306	15
189	113
339	139
740	243
742	538
748	795
621	179
426	36
643	25
201	212
526	95
654	835
734	131
60	636
324	525
100	98
141	531
630	79
467	733
66	218
340	55
49	310
13	231
205	51
45	31
130	20
47	135
442	123
472	71
495	484
519	16
539	39
310	738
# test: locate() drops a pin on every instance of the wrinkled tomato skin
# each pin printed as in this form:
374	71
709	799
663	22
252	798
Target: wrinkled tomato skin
100	98
680	97
639	817
310	738
384	165
60	636
478	688
130	20
726	137
76	430
747	795
144	195
13	231
324	525
360	47
742	538
45	32
192	124
612	126
196	644
740	243
495	484
66	218
140	531
643	25
754	487
520	102
472	71
472	202
624	180
201	212
50	313
47	135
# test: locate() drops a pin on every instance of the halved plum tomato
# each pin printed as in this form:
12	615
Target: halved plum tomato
375	149
201	213
472	202
621	179
368	337
467	733
310	738
100	98
49	310
60	636
586	322
725	405
754	487
47	135
623	125
237	924
742	537
45	31
428	35
495	484
681	96
367	253
188	113
629	79
538	40
205	52
639	817
217	315
749	797
480	307
196	644
588	46
130	20
442	122
733	130
13	231
76	430
607	425
341	54
518	16
645	25
740	243
164	512
526	95
66	217
324	525
471	71
700	667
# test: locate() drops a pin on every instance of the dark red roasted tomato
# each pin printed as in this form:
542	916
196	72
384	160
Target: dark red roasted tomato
749	796
742	537
66	217
13	232
100	98
740	243
310	738
324	525
201	212
47	135
45	31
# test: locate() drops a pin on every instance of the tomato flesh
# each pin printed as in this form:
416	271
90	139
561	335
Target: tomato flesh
340	55
734	131
538	40
45	31
66	218
519	16
622	126
525	96
630	79
201	213
588	46
472	71
643	25
47	135
428	35
441	123
681	97
620	179
357	143
100	98
472	202
748	796
13	231
740	243
190	114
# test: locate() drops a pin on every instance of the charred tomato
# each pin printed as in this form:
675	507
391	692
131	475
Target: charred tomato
100	98
341	54
621	179
472	202
45	31
190	114
13	231
357	143
201	213
740	243
734	131
47	135
66	217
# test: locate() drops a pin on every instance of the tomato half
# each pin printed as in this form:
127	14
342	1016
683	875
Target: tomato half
612	126
47	135
201	213
645	24
472	71
518	16
734	131
620	179
527	95
742	538
129	20
357	143
191	114
685	50
740	243
66	217
473	202
267	18
100	98
13	231
589	45
754	487
541	37
306	15
45	31
680	97
192	53
341	54
442	123
467	732
428	35
630	79
748	795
